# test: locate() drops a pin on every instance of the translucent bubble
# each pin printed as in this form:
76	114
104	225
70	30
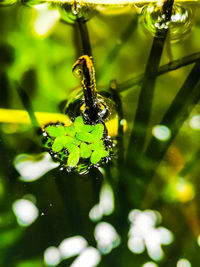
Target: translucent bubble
156	22
70	13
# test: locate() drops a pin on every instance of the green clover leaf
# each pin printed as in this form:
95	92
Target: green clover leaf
97	145
58	144
70	130
76	141
97	155
85	128
85	150
73	148
78	122
73	159
97	131
85	137
55	131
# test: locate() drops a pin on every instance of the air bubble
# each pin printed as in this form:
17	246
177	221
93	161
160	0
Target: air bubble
156	22
70	13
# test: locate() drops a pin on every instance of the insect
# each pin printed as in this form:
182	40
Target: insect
87	141
94	107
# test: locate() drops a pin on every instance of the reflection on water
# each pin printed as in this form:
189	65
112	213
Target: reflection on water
155	21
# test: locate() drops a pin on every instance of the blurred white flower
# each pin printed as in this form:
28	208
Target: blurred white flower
183	263
52	256
72	246
25	211
32	167
144	233
89	257
106	236
105	205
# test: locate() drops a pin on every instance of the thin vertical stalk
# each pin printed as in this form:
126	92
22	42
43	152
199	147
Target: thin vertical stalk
86	46
187	97
143	111
125	36
28	106
117	99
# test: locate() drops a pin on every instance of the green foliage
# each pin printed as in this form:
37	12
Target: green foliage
77	141
85	150
55	131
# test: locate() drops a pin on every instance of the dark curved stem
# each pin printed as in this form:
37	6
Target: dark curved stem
176	64
187	97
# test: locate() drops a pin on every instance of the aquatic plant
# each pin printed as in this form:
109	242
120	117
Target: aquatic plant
72	145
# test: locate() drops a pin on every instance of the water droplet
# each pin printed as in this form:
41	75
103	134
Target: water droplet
76	8
155	21
70	13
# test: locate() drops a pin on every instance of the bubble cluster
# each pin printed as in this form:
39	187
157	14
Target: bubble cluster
156	22
74	12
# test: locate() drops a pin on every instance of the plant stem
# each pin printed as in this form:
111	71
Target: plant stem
143	111
187	97
176	64
117	100
27	104
87	50
119	45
